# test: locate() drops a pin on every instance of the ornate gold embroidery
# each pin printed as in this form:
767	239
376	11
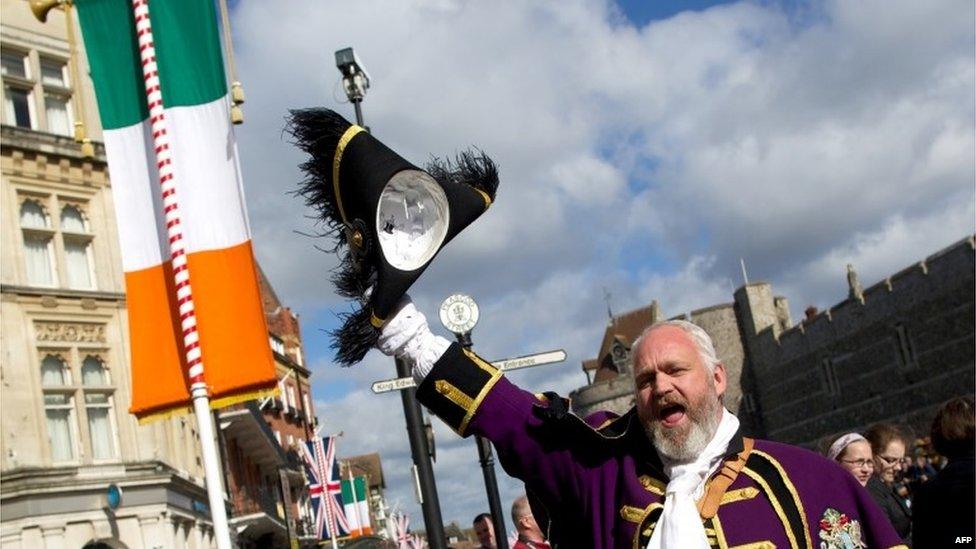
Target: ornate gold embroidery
741	494
719	533
646	532
765	544
776	506
652	485
480	362
793	492
476	403
453	394
632	514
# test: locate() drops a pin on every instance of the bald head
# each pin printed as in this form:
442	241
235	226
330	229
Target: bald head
525	523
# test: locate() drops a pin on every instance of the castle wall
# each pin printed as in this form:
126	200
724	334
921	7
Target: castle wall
720	324
896	357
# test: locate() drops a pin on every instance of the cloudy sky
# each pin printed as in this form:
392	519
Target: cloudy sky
642	149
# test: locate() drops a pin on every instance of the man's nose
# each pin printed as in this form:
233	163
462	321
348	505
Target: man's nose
663	385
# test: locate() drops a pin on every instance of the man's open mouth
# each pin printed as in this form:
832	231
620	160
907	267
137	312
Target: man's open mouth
671	414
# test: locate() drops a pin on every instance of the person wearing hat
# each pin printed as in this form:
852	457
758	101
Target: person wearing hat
675	471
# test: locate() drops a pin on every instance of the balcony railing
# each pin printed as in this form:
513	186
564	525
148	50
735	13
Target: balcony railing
256	500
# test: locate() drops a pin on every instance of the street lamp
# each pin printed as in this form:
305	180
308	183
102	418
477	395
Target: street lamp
355	79
459	314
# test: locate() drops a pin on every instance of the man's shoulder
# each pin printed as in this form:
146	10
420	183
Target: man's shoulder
794	460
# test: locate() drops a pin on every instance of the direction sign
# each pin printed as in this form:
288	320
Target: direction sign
507	364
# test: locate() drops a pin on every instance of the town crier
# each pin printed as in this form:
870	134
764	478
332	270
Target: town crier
675	471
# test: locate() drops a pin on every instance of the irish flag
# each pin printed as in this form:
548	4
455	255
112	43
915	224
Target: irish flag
357	506
192	294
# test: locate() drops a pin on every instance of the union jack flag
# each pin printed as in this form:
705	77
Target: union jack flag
401	532
324	487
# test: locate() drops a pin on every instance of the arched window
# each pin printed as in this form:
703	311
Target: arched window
58	408
77	248
36	225
93	372
32	216
54	372
72	220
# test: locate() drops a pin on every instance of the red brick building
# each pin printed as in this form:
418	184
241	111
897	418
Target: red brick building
269	504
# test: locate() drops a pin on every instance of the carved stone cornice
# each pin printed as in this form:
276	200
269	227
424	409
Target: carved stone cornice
70	332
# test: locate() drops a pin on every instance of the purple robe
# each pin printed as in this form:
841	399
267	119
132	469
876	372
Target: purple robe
604	487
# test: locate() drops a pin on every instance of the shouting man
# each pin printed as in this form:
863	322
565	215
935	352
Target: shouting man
673	472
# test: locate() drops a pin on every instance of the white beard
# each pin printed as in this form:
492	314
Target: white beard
704	422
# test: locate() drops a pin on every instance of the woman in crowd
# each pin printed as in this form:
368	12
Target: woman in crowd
944	509
888	448
853	452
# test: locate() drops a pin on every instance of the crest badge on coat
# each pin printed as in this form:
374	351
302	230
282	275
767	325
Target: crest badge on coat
838	531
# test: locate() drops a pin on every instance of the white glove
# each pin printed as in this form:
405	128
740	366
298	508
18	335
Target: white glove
407	336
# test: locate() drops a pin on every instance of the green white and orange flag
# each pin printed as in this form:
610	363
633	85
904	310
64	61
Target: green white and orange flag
356	502
192	294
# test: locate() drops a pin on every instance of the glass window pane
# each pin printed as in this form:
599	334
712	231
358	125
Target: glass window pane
52	372
93	372
72	220
55	399
38	257
96	398
58	118
17	105
13	64
59	434
76	260
100	430
52	73
32	215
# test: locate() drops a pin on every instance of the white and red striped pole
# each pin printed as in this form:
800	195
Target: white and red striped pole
181	276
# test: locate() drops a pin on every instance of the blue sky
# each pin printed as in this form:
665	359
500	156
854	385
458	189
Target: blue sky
642	148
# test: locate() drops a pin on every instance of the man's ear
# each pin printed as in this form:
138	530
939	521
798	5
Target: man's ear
718	376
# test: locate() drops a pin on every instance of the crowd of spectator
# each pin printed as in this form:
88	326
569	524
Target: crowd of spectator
925	485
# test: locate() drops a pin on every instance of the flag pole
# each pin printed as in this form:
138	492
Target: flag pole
181	277
355	500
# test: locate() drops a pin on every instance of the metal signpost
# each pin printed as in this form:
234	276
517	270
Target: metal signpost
506	365
461	313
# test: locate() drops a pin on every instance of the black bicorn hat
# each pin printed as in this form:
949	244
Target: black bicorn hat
389	218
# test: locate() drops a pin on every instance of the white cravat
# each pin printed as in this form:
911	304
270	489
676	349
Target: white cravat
680	525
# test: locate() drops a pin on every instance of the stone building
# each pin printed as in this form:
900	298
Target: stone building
66	431
891	352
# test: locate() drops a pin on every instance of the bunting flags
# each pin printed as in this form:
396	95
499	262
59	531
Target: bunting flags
324	487
401	532
355	496
191	284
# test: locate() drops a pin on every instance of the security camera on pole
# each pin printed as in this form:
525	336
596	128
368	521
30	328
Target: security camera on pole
355	82
459	314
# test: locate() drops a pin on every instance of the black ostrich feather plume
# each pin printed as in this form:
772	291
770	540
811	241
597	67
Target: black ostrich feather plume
317	132
472	168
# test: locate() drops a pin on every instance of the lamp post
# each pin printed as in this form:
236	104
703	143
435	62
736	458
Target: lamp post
355	82
459	314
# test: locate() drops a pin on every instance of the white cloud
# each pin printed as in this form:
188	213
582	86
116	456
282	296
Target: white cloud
642	160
